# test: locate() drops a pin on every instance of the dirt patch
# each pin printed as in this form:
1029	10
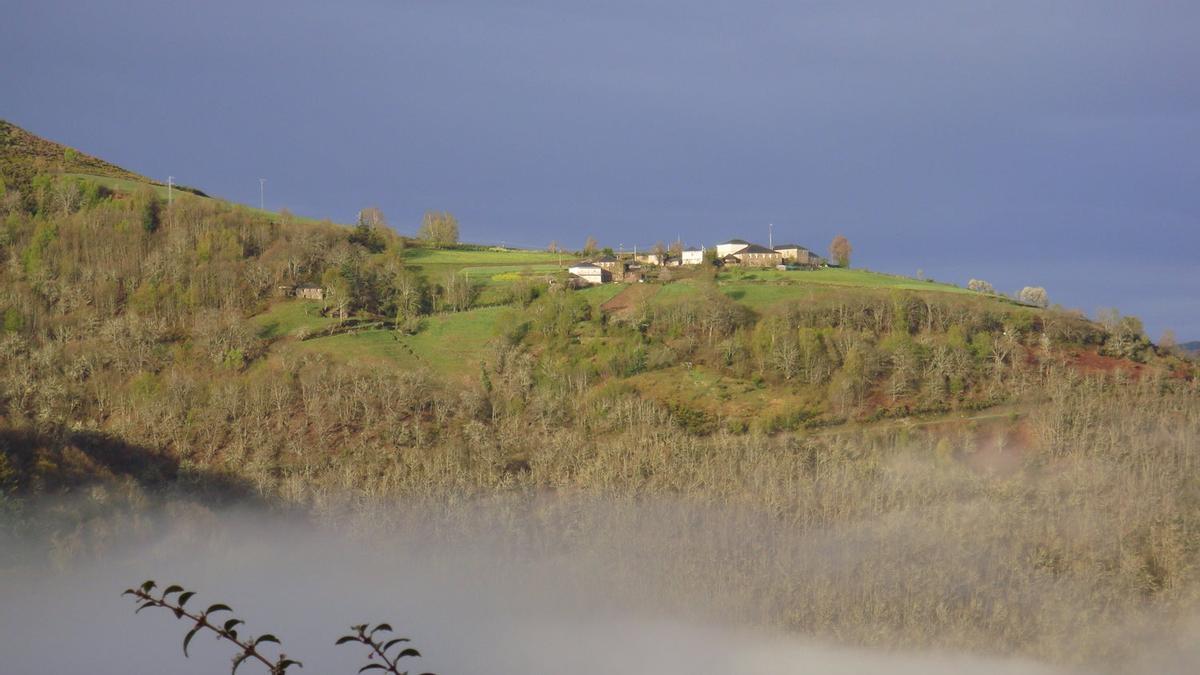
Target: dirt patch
622	304
1093	362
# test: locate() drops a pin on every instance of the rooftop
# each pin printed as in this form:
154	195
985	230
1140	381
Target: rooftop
755	248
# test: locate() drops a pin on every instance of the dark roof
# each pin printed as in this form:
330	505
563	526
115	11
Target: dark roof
783	246
584	266
733	241
605	258
755	248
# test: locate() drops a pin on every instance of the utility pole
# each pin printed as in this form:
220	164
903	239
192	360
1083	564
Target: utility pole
170	183
771	236
262	187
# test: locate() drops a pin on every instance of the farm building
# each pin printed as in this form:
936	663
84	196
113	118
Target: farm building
309	292
612	265
692	256
793	253
754	255
730	247
590	274
651	258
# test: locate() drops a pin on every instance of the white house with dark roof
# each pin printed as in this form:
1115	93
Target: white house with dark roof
692	256
590	274
730	247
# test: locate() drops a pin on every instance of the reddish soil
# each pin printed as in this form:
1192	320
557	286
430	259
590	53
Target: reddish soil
623	303
1091	362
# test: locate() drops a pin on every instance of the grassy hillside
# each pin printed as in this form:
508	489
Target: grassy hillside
23	155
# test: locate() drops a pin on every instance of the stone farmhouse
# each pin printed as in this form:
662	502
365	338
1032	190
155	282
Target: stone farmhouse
754	255
793	253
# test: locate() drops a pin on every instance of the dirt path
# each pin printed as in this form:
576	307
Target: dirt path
623	303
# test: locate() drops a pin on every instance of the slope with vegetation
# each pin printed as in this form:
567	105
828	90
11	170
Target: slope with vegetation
146	345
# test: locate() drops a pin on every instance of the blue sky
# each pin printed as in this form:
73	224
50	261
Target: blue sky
1026	143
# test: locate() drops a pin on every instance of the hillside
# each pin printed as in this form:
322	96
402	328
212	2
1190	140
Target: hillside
152	349
1192	347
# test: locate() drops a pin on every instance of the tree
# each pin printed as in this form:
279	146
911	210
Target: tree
553	247
1167	341
980	286
840	250
146	203
590	246
367	232
439	228
1034	295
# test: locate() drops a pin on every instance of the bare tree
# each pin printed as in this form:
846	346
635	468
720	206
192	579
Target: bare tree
840	250
553	247
590	246
1167	341
439	228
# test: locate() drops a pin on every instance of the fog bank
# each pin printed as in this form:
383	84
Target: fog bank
472	604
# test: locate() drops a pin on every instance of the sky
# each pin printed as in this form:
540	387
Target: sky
1022	142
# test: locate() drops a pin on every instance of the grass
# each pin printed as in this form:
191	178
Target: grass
127	185
506	274
480	257
840	277
449	344
286	317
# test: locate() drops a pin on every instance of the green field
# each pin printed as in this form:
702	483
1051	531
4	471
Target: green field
449	344
479	257
129	186
839	277
505	274
285	318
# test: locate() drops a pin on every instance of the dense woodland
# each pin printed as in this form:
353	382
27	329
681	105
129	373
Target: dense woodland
129	366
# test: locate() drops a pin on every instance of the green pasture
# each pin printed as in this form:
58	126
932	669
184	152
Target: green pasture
286	317
449	344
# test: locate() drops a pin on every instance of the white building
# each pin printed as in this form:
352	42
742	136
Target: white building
730	247
590	274
692	256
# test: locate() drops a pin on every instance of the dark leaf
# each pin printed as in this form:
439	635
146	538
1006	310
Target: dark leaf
267	638
147	585
129	591
173	588
146	604
392	643
408	652
284	664
346	638
232	623
372	666
187	640
382	626
359	627
184	597
217	608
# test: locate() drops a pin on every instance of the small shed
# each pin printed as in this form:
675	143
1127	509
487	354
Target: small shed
309	292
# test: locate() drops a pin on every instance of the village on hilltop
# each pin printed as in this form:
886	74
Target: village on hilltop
628	267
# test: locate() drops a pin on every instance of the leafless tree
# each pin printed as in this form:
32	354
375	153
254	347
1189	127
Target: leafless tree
840	250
